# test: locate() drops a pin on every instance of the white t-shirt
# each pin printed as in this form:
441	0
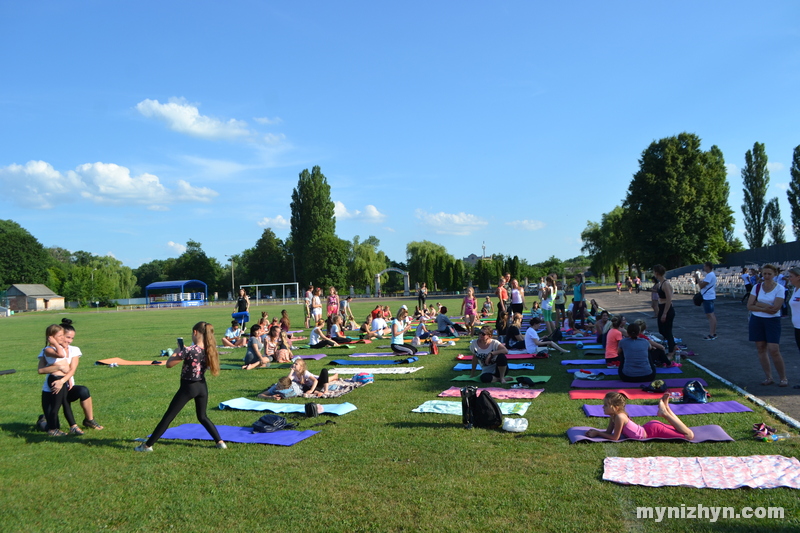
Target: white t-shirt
73	351
378	324
768	298
230	333
710	290
530	346
794	303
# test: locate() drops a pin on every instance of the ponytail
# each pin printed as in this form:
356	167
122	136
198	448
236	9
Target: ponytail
209	345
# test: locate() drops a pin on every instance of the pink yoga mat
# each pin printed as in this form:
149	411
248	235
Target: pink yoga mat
497	393
631	394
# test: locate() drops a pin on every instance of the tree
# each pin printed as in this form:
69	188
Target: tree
755	177
312	222
195	264
365	261
155	270
23	258
794	192
425	261
266	262
676	209
605	243
330	261
774	223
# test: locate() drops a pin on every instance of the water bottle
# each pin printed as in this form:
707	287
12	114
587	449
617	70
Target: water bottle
678	357
776	436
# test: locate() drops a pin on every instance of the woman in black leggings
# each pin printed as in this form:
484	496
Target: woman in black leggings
197	358
666	311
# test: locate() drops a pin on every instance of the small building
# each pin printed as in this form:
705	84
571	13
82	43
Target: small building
33	297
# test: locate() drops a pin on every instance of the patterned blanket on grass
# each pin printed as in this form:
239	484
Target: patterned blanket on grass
444	407
344	386
754	471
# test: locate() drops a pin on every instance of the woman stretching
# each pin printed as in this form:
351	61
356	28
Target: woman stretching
399	326
197	358
75	392
620	423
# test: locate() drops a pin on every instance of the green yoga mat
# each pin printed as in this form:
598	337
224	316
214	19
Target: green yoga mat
509	379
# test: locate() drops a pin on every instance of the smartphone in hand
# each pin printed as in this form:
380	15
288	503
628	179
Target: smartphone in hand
180	343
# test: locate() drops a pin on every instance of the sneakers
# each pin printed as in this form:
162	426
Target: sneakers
56	433
710	338
222	446
143	448
75	430
91	424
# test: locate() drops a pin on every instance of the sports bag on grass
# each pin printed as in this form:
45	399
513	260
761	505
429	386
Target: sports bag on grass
693	392
482	410
270	423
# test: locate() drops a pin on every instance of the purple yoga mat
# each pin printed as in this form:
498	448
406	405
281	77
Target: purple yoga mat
591	340
382	354
615	371
316	356
679	409
701	434
286	437
601	361
615	384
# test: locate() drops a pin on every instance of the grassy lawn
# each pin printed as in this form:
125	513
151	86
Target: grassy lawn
380	468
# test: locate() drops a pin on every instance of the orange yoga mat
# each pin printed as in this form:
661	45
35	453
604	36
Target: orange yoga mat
631	394
125	362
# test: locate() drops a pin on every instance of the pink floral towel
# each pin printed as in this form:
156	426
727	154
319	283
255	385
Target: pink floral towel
754	471
496	392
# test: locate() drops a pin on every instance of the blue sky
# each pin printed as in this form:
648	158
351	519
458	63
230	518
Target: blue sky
129	128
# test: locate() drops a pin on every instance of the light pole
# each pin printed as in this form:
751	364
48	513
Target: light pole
233	285
93	284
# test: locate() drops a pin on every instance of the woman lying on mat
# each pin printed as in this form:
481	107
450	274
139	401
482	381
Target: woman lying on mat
399	326
197	358
310	384
636	366
318	339
255	347
533	344
74	392
284	388
620	423
492	356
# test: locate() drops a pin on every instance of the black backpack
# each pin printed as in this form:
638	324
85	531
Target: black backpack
693	392
479	410
270	423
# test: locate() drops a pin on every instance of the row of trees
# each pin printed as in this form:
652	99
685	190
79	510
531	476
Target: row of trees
676	209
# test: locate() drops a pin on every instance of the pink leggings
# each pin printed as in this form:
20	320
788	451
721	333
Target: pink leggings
658	429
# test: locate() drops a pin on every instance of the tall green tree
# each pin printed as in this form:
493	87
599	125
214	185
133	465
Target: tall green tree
195	264
23	259
605	243
775	225
312	222
676	207
266	262
155	270
426	262
755	177
365	261
330	259
794	192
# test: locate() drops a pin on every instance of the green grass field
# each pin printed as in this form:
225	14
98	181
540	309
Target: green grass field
380	468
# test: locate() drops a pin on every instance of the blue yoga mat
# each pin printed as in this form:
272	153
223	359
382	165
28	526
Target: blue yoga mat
285	437
243	404
371	362
615	371
584	361
511	366
592	347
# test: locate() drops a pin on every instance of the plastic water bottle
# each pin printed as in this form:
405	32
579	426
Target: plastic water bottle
677	357
776	436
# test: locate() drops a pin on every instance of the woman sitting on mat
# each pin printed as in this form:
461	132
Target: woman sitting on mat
514	339
75	392
275	347
444	325
657	353
399	326
600	328
636	366
286	324
492	356
614	333
422	332
233	336
197	358
501	324
310	384
488	308
318	339
255	348
533	344
620	423
336	330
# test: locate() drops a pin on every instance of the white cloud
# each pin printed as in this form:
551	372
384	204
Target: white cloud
527	225
370	213
775	167
274	138
183	117
278	222
732	169
268	121
180	248
38	185
451	223
782	186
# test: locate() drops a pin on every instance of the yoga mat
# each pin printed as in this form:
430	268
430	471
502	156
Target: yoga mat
286	437
753	471
462	357
381	354
679	409
615	371
497	393
584	361
228	366
631	394
315	356
243	404
4	372
511	366
308	347
400	370
444	407
613	384
124	362
591	346
509	379
374	362
701	434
